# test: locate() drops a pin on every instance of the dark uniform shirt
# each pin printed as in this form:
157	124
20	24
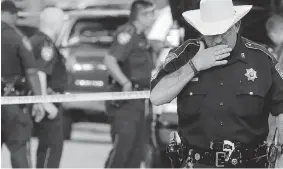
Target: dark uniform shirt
230	102
48	59
16	54
132	51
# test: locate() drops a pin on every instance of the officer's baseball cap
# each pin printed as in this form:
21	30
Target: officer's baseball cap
9	6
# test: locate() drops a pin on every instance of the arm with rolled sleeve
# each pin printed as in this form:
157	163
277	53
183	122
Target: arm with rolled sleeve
169	81
118	52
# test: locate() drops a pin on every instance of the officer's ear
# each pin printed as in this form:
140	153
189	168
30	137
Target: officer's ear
237	26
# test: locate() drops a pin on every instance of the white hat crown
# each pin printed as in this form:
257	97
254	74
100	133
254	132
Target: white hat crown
216	10
215	16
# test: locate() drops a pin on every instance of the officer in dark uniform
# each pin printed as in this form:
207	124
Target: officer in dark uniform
130	63
52	75
17	64
226	86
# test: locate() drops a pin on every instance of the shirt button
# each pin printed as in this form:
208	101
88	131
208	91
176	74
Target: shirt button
221	123
251	93
191	93
221	83
221	104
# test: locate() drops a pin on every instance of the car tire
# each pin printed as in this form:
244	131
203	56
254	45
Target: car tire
67	125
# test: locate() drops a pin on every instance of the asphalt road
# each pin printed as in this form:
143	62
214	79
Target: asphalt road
88	148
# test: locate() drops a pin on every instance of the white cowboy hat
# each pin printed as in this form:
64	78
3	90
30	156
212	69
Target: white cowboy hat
215	16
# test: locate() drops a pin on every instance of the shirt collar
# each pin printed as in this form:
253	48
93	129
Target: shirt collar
138	30
46	36
239	53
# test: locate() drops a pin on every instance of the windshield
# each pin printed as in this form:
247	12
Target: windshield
95	30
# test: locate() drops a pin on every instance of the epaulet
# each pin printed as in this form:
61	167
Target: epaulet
253	45
176	52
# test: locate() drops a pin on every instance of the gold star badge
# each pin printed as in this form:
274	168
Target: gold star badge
251	74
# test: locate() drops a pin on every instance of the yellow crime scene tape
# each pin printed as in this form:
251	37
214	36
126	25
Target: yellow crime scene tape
58	98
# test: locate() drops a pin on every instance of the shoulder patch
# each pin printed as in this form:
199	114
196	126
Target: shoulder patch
253	45
279	69
26	43
124	38
47	53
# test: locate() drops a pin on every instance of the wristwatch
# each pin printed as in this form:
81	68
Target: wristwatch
193	67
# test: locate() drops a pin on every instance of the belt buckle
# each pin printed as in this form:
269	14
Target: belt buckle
219	156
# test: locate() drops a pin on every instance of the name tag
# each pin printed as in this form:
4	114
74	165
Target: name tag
195	79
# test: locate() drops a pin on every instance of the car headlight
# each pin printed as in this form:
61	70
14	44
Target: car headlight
88	83
88	67
83	67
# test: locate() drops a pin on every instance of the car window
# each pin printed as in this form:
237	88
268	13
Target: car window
98	30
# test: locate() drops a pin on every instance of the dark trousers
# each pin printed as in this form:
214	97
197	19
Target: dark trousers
128	134
16	130
50	136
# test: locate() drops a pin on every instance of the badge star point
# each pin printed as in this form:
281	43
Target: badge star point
251	74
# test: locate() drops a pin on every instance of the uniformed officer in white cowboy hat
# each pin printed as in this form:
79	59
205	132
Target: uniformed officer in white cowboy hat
226	86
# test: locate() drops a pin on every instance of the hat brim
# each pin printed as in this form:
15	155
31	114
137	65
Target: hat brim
193	17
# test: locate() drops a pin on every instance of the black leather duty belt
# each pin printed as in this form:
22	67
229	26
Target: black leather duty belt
227	154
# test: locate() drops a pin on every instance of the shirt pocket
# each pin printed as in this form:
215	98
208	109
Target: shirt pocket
249	101
191	100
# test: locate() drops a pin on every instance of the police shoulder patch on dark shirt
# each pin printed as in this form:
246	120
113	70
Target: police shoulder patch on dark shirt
44	52
122	43
176	58
47	52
